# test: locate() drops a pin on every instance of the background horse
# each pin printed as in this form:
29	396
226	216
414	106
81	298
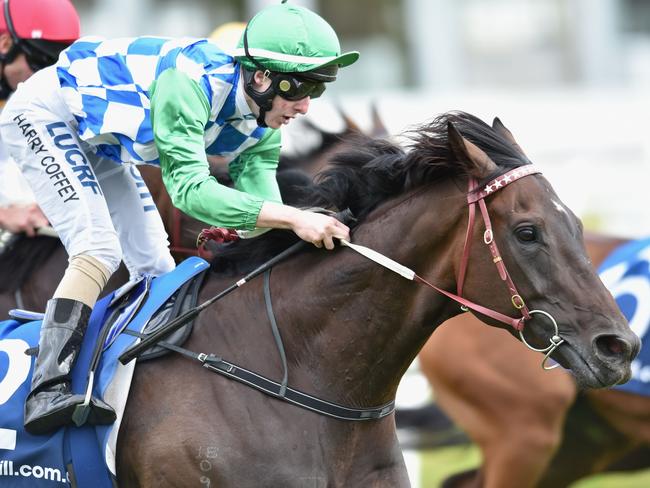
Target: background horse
518	415
30	270
351	328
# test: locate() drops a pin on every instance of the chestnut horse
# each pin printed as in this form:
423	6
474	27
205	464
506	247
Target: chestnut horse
516	415
351	328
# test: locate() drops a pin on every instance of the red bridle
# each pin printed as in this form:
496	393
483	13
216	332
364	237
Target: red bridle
475	197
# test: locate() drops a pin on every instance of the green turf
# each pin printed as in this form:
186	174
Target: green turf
437	464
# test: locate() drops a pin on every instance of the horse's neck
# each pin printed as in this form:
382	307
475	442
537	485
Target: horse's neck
361	326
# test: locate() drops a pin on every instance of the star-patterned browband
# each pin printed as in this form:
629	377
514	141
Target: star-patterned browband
503	180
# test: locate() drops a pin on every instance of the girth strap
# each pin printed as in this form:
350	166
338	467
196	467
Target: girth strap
275	389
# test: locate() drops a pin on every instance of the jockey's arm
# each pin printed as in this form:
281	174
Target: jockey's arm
179	114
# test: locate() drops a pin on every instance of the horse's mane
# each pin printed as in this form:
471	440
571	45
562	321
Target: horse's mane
22	258
369	171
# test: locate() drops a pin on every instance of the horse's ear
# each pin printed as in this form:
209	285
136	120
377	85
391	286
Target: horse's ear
350	125
479	164
503	131
378	127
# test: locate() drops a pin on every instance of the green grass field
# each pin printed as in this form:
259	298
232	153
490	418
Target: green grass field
437	464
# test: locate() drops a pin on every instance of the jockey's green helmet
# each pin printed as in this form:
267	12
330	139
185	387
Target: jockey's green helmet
295	48
287	38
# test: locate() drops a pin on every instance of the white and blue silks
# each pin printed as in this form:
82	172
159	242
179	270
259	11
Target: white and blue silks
105	85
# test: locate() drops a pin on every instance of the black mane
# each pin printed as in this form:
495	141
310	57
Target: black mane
367	172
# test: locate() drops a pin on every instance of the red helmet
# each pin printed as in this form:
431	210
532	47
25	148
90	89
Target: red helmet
49	20
40	29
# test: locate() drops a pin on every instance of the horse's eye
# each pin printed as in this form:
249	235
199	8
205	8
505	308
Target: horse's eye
527	234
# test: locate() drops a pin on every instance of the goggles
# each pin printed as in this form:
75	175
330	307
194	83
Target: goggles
292	88
36	60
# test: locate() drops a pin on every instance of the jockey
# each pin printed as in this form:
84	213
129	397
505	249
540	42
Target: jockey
32	34
79	129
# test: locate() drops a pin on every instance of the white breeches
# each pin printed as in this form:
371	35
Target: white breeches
98	207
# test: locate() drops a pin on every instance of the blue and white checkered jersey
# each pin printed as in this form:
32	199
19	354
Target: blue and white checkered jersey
105	85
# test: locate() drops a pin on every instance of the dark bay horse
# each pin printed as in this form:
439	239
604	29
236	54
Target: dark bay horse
533	427
351	328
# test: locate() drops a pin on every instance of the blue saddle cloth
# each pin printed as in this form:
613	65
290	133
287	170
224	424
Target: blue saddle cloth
626	273
85	453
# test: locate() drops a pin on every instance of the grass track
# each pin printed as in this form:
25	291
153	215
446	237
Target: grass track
437	464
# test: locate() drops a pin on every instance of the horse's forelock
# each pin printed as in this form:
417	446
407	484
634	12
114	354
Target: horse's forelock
433	138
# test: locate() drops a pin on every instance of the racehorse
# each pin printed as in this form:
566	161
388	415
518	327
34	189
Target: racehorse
518	416
351	328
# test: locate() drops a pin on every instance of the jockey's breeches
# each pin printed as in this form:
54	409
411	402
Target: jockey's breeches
98	207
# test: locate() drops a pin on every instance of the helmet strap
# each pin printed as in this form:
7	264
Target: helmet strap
264	100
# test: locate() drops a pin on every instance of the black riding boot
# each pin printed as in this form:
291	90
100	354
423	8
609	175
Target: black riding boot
51	403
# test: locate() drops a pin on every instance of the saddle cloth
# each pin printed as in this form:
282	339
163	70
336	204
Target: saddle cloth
85	456
626	273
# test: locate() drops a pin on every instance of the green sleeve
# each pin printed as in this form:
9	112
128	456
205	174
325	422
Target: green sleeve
179	114
254	170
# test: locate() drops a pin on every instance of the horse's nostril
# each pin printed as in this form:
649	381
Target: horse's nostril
613	346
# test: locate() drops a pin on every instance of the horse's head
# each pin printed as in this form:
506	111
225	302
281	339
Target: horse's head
541	244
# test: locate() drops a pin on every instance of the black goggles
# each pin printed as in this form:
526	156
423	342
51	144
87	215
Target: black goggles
36	60
292	88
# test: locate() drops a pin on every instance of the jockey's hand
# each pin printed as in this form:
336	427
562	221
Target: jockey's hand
319	229
22	218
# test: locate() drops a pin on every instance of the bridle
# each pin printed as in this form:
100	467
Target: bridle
477	197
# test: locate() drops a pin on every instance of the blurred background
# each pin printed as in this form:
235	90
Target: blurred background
569	78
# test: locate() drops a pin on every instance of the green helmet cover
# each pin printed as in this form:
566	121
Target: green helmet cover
291	39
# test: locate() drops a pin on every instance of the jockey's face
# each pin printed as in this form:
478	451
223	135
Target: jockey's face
282	111
18	70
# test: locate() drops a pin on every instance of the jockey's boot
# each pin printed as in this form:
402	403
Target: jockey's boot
50	404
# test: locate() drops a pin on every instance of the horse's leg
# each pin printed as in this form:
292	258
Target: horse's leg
627	412
509	406
590	444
